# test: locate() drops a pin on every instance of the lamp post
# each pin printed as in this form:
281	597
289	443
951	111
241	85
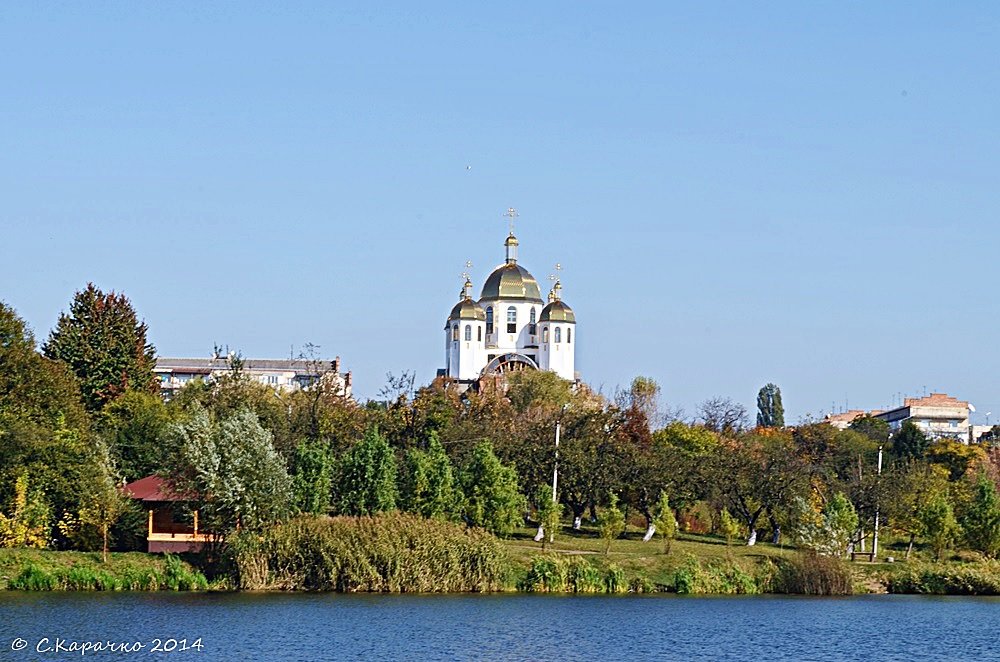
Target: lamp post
877	484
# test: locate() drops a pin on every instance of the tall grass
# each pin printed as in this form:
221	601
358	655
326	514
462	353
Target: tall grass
554	574
175	576
719	578
941	579
813	574
391	552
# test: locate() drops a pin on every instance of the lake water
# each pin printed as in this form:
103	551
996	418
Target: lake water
329	627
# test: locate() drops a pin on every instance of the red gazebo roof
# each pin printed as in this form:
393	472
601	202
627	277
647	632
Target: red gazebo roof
153	488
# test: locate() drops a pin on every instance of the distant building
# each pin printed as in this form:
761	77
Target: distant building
843	420
938	415
281	374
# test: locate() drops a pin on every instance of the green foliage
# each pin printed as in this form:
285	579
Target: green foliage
102	502
554	574
827	533
770	412
27	525
938	525
104	344
549	514
390	552
874	428
719	578
428	484
909	442
153	575
366	483
312	477
610	522
813	574
937	579
231	470
493	498
981	520
665	522
729	526
133	425
537	388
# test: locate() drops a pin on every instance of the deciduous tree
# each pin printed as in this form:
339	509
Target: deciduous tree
770	411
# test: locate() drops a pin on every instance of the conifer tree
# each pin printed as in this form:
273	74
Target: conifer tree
493	499
104	344
367	477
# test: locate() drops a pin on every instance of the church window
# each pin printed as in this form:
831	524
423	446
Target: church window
479	333
512	320
558	334
468	332
489	319
545	334
454	332
532	329
569	335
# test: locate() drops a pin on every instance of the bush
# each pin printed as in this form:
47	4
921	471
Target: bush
813	574
389	552
720	578
937	579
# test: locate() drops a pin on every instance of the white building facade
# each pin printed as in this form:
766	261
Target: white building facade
510	327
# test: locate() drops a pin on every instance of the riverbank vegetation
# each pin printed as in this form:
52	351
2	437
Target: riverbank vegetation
38	570
412	490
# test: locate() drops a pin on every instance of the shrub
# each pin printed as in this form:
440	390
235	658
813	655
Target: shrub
389	552
813	574
982	579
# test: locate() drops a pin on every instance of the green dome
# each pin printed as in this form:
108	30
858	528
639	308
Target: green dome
557	311
511	282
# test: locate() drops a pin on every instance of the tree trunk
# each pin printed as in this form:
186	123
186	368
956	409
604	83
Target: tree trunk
752	540
104	532
909	548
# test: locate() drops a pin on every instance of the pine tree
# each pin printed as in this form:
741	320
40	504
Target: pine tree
493	499
104	344
770	412
428	482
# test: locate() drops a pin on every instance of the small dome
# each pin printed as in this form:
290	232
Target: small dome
511	282
557	311
467	309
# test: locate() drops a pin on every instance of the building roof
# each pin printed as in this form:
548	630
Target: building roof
467	309
511	281
557	311
844	416
935	400
207	366
153	488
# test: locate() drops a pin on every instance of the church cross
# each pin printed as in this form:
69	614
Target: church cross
511	214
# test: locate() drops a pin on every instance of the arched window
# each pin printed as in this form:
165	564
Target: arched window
532	329
489	319
545	334
569	335
558	334
468	332
454	332
479	333
512	320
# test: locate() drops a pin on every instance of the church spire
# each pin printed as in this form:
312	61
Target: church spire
511	242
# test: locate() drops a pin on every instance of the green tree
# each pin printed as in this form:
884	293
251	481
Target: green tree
428	482
493	497
610	522
909	442
104	344
938	525
770	412
231	470
133	426
981	520
103	502
312	477
665	522
829	532
874	428
366	482
729	526
27	525
549	514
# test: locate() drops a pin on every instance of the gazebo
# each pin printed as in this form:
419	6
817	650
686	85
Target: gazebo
172	524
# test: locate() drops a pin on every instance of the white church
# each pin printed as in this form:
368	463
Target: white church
510	327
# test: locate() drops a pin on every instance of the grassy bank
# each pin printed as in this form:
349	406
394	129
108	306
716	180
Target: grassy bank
43	570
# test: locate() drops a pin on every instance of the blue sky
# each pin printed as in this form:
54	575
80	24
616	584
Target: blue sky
803	193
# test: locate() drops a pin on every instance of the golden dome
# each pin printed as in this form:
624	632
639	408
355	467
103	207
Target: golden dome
511	282
557	311
467	309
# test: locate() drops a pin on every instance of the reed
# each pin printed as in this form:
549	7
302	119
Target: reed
813	574
390	552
